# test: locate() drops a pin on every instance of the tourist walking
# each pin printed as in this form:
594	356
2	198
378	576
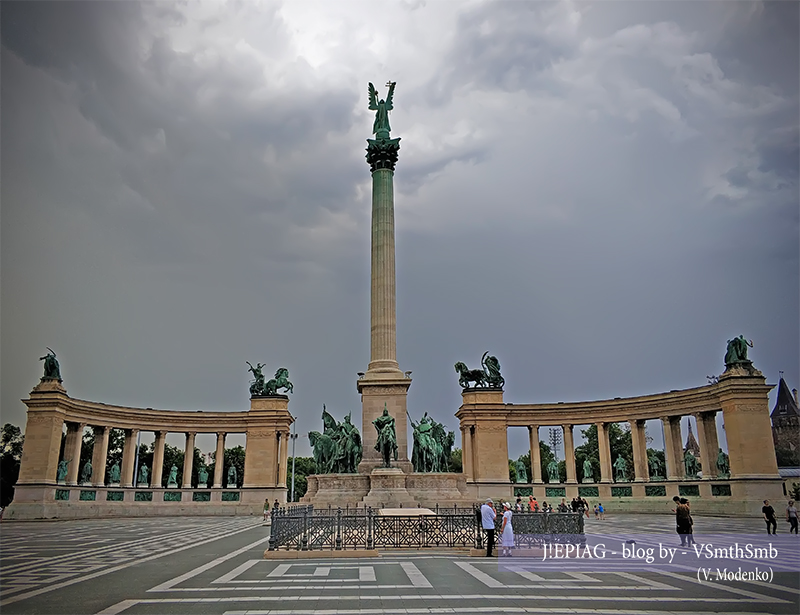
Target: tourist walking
586	507
266	509
683	521
488	516
791	516
506	532
769	516
601	511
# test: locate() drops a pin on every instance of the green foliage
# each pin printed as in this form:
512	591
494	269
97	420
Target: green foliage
303	466
11	442
620	443
456	463
786	457
512	471
526	461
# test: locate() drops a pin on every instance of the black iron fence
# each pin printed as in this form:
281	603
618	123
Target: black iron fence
305	528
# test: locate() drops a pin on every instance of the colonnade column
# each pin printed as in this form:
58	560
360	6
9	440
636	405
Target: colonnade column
604	450
283	458
188	460
569	454
639	445
219	460
707	434
128	457
72	451
536	454
669	448
99	455
158	459
466	453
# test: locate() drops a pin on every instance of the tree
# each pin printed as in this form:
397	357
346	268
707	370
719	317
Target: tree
233	456
303	466
620	443
456	464
11	442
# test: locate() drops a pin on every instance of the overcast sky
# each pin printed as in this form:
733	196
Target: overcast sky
599	194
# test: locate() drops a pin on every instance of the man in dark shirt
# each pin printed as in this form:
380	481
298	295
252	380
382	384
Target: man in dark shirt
769	516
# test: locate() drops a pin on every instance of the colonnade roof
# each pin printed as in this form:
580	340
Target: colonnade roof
150	419
620	409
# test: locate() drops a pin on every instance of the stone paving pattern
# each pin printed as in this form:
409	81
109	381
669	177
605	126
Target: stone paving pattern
213	565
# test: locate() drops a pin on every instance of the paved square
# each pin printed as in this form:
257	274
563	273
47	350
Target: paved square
215	565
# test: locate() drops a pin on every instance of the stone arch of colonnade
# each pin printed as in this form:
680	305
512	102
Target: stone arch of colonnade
484	420
266	426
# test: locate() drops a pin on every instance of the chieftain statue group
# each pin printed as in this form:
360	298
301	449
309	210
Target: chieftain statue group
337	450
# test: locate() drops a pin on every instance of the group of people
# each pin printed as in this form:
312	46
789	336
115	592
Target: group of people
769	516
488	516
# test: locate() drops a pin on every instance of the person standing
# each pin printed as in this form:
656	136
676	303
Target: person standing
266	509
488	516
769	516
791	516
506	532
602	511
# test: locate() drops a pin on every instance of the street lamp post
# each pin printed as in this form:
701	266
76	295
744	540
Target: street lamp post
293	436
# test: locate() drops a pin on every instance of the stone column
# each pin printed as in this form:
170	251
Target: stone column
466	452
72	451
383	385
677	442
604	450
219	460
188	460
283	457
672	462
536	454
99	453
158	460
383	319
639	442
128	457
569	454
709	444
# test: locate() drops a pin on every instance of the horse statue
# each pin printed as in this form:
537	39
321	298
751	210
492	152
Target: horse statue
280	381
492	367
466	375
387	437
324	448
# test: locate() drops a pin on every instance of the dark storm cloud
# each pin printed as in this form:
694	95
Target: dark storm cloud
600	194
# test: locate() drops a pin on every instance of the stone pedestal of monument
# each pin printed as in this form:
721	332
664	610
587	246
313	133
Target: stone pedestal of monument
388	490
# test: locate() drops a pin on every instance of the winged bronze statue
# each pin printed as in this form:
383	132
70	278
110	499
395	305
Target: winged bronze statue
381	126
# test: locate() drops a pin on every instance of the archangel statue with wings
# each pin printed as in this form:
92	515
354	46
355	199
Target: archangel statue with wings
382	107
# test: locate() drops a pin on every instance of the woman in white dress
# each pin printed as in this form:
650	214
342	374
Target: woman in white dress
506	532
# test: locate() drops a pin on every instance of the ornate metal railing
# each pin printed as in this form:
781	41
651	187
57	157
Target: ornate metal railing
304	528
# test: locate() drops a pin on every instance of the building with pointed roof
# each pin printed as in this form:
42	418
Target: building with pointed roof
786	426
691	443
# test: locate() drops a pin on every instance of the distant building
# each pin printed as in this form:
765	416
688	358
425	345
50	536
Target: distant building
691	444
786	427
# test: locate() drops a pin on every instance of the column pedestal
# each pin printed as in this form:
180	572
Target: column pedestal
377	393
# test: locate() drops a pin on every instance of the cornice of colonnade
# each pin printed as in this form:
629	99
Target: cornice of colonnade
673	403
143	419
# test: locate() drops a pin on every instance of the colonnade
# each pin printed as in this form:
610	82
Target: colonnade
38	492
484	420
72	451
673	449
